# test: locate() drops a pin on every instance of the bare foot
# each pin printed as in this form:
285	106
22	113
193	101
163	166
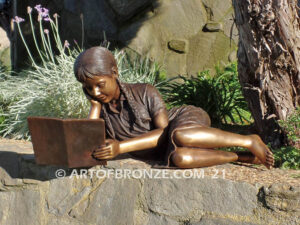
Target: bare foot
261	151
247	157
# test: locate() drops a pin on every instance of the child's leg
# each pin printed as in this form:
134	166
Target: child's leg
207	138
186	157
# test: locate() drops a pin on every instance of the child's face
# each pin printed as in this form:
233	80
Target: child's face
104	88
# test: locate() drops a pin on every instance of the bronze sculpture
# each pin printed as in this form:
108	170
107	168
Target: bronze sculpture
138	123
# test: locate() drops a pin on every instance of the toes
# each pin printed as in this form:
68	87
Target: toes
270	162
270	157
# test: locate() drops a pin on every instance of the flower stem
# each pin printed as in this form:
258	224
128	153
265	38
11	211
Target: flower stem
50	49
28	51
43	38
35	42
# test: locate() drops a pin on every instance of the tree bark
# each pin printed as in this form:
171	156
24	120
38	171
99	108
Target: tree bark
269	62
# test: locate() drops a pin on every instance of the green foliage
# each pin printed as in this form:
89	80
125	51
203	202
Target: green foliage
137	70
220	95
51	91
47	89
287	157
2	117
292	127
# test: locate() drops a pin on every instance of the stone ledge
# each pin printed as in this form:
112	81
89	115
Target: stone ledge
38	197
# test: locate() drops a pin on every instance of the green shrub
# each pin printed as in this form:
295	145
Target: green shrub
137	70
51	91
220	95
292	128
2	117
287	157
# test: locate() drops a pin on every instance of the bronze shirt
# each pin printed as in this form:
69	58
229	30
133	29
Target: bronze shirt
123	125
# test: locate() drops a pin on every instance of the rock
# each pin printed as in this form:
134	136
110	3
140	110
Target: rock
4	41
4	49
177	46
113	203
218	8
219	221
89	200
149	28
21	207
158	219
182	197
213	27
222	11
150	35
282	198
232	57
213	46
128	8
5	57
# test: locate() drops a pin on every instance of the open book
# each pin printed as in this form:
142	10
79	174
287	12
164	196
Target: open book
66	142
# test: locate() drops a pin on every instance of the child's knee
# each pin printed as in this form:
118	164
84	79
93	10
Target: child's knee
180	160
178	138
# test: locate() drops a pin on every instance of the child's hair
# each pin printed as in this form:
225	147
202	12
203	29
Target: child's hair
92	62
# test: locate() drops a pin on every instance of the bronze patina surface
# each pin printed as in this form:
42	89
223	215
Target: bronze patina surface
66	142
128	109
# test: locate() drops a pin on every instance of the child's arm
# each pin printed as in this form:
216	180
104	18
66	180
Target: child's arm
149	140
95	106
94	110
146	141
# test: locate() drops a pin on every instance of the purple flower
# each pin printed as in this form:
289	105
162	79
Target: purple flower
29	9
47	19
46	31
18	19
38	8
55	15
43	13
66	44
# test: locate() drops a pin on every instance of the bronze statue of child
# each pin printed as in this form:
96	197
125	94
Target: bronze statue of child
137	122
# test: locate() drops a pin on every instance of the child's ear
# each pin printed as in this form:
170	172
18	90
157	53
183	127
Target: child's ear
114	71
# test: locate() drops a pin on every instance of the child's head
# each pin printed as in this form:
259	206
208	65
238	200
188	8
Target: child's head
96	69
94	61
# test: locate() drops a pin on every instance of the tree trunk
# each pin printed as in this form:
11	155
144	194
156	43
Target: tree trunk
269	62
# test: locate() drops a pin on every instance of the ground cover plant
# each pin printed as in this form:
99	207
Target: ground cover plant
220	95
288	157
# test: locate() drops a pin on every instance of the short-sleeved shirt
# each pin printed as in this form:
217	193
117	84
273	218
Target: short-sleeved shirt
148	103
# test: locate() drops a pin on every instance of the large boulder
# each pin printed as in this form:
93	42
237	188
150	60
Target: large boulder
32	194
185	37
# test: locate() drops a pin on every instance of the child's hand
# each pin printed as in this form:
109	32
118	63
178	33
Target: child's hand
109	151
93	101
